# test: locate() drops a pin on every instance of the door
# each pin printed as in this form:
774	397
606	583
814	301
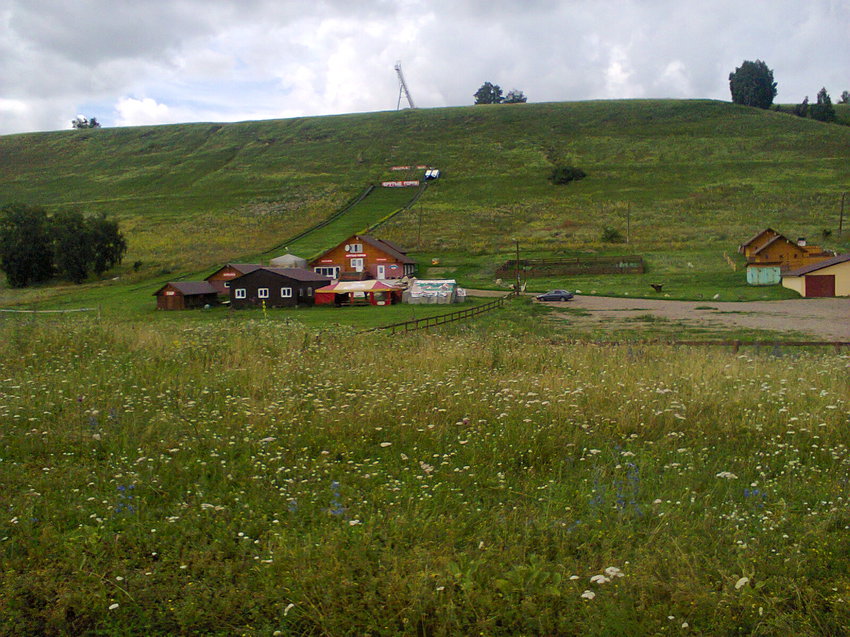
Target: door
357	265
382	272
820	285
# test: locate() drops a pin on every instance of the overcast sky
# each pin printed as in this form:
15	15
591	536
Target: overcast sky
132	62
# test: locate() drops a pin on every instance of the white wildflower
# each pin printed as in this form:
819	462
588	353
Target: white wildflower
113	606
599	579
613	571
588	595
741	583
728	475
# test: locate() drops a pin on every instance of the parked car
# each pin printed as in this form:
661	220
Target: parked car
555	295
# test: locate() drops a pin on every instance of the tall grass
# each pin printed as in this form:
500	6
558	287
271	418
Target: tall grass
242	478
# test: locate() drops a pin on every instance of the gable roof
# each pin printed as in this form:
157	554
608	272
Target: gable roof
756	236
780	237
189	288
387	247
820	265
241	268
296	274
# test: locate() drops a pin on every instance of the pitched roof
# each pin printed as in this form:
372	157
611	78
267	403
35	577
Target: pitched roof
241	268
820	265
297	274
387	247
393	245
372	285
756	236
779	237
189	288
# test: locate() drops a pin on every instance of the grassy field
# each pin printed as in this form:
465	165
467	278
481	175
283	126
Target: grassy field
234	477
694	178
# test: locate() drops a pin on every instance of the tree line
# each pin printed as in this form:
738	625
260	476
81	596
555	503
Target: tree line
752	84
36	246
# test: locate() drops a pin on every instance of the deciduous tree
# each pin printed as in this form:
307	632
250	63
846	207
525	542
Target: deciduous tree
823	111
488	94
26	250
752	84
515	96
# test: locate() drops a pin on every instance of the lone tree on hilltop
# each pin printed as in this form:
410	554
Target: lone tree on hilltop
752	84
515	96
488	94
82	122
845	97
823	111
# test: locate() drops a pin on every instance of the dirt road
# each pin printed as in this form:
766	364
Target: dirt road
827	319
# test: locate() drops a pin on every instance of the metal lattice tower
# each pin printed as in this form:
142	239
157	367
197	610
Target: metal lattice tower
402	88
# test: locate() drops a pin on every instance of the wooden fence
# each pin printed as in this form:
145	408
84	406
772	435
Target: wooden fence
441	319
631	264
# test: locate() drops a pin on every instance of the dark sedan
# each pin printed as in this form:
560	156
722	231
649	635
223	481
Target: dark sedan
555	295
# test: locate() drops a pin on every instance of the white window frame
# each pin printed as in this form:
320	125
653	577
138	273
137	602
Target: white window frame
240	293
286	293
356	247
330	270
262	293
358	262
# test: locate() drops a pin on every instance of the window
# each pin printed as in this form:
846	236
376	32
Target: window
357	264
263	293
356	247
286	293
240	293
309	291
332	272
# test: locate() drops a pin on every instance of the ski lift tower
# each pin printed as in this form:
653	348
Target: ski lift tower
402	88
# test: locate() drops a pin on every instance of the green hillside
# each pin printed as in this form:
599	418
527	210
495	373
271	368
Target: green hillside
696	178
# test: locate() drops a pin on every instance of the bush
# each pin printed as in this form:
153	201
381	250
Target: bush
612	235
566	174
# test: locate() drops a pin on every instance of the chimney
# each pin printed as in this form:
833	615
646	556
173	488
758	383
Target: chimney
801	241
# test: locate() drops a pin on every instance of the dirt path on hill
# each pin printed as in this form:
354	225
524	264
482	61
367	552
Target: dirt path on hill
826	319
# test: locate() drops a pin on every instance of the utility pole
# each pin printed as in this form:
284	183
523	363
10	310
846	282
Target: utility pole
419	233
629	222
841	216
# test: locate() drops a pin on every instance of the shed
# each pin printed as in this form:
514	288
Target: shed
826	278
764	273
369	292
185	295
288	261
275	287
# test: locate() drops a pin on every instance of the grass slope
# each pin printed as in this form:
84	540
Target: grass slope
697	178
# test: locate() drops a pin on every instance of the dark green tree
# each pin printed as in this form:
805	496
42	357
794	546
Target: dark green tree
752	84
845	97
82	122
488	94
823	111
73	249
26	251
108	243
802	109
515	97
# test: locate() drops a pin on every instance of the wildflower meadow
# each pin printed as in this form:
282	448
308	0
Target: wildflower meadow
257	478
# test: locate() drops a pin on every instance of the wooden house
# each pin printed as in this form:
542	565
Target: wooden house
830	277
185	295
221	278
362	256
787	254
275	287
749	247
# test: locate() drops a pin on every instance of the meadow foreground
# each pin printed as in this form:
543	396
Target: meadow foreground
250	477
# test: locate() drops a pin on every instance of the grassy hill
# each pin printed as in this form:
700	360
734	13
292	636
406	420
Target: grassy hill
696	178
